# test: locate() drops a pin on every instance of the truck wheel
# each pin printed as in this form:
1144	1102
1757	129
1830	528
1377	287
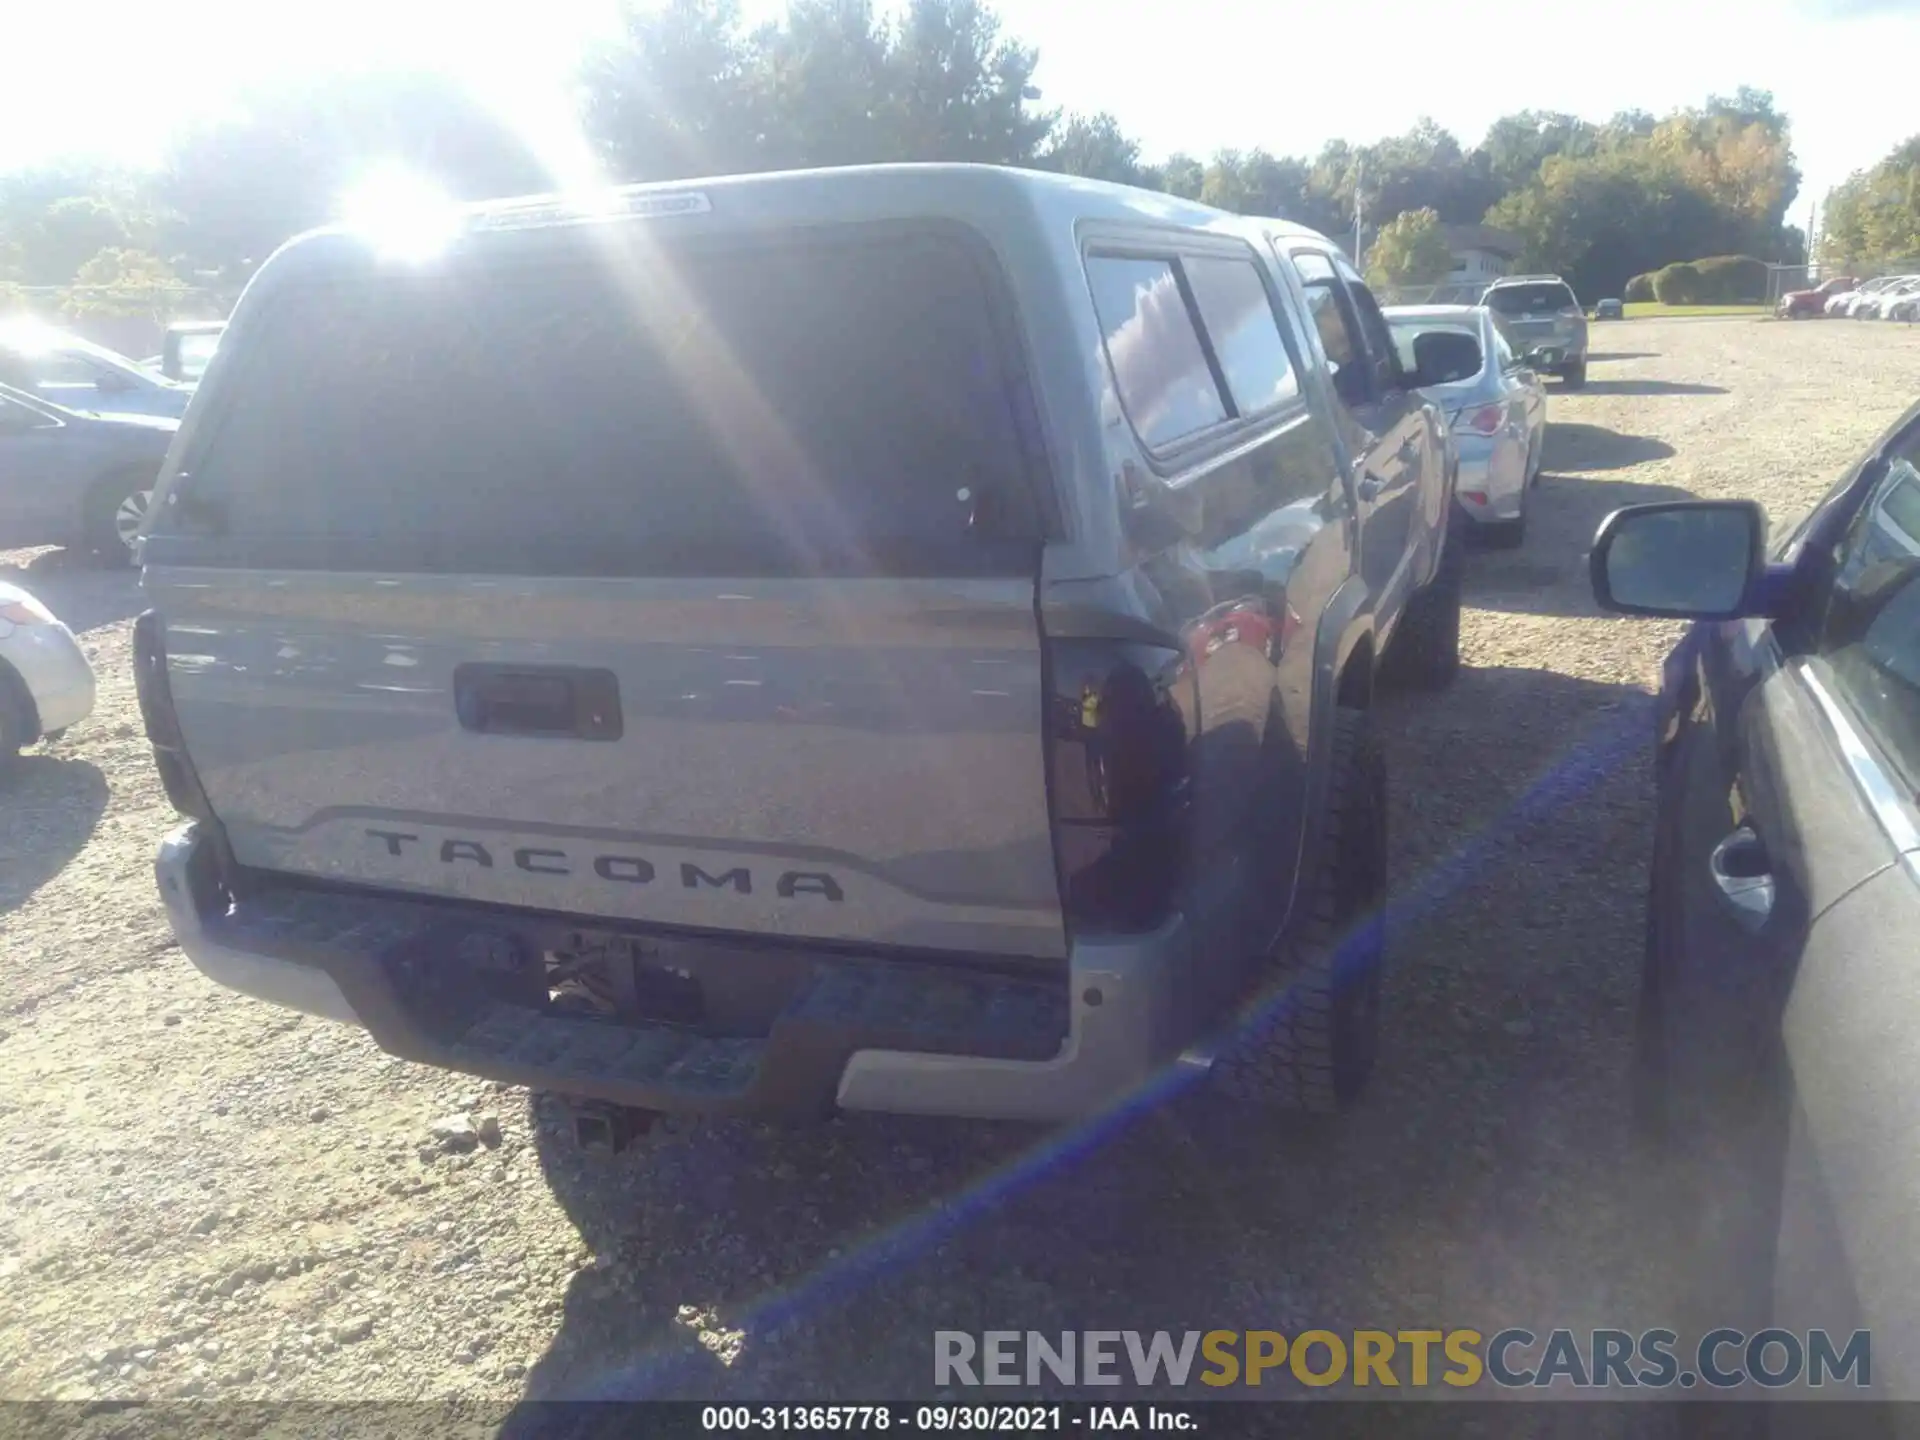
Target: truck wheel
1425	652
1574	376
1314	1029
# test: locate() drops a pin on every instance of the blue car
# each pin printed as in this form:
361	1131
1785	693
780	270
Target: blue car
76	374
72	478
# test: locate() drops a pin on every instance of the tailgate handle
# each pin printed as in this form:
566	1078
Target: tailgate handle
563	702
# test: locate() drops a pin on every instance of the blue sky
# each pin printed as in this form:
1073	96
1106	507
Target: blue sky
1180	74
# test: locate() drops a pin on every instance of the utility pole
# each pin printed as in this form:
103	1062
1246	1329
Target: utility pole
1359	177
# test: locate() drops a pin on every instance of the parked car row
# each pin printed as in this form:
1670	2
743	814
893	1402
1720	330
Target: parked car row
1887	297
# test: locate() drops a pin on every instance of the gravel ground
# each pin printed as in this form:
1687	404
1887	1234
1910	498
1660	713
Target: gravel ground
208	1197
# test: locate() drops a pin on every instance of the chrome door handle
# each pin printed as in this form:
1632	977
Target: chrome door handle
1743	876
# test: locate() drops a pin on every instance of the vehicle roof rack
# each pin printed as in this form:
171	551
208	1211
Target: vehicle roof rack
1509	279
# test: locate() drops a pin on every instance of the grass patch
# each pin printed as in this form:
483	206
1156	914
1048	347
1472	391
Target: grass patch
1654	310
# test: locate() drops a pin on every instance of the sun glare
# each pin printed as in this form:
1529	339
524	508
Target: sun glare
402	214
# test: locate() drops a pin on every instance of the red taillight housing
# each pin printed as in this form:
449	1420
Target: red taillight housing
1122	719
150	683
1481	419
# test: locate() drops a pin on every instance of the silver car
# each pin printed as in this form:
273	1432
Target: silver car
1542	313
1497	418
46	683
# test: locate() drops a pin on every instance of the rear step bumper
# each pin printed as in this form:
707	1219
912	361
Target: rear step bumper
858	1034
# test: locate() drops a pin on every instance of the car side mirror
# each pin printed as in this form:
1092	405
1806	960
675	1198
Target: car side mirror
1540	358
1683	559
1441	357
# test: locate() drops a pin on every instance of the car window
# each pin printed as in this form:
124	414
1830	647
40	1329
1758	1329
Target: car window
1159	368
1534	298
60	370
1334	320
1871	634
842	405
1503	352
1238	315
15	417
1406	331
1373	324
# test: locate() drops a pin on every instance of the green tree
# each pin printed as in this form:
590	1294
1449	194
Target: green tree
120	281
1873	219
1410	249
65	235
1184	176
1095	146
241	185
960	90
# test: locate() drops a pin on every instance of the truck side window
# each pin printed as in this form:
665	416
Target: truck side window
1238	314
1159	367
1339	330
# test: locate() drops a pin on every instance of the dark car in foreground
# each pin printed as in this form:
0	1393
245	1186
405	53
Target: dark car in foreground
1779	1031
68	477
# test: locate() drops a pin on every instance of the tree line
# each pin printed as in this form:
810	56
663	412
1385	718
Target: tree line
1873	219
688	89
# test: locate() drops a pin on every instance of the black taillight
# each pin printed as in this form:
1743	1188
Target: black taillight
155	693
1122	716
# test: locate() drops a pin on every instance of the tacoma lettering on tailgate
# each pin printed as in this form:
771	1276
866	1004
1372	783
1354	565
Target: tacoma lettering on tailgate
617	869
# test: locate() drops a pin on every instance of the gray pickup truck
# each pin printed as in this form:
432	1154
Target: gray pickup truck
898	638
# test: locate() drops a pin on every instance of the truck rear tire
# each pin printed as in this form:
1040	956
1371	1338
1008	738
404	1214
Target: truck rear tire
1312	1036
1574	376
1425	651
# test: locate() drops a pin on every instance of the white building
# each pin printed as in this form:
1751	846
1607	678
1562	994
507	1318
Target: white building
1480	254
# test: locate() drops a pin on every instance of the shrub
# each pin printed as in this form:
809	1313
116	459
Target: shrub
1640	290
1732	280
1716	280
1677	284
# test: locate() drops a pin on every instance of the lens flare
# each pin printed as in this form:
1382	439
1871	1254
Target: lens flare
403	215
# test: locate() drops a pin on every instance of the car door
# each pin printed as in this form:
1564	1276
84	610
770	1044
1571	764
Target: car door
1846	1255
1777	815
1524	381
31	499
1383	422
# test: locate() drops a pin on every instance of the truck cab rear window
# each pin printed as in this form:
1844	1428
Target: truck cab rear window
818	405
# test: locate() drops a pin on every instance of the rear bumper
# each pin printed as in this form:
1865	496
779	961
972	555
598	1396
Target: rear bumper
55	670
1481	476
856	1033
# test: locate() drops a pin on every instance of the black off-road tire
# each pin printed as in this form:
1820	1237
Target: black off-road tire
1425	652
1312	1034
1574	376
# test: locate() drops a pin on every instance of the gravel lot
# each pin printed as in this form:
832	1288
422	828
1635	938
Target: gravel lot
208	1197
